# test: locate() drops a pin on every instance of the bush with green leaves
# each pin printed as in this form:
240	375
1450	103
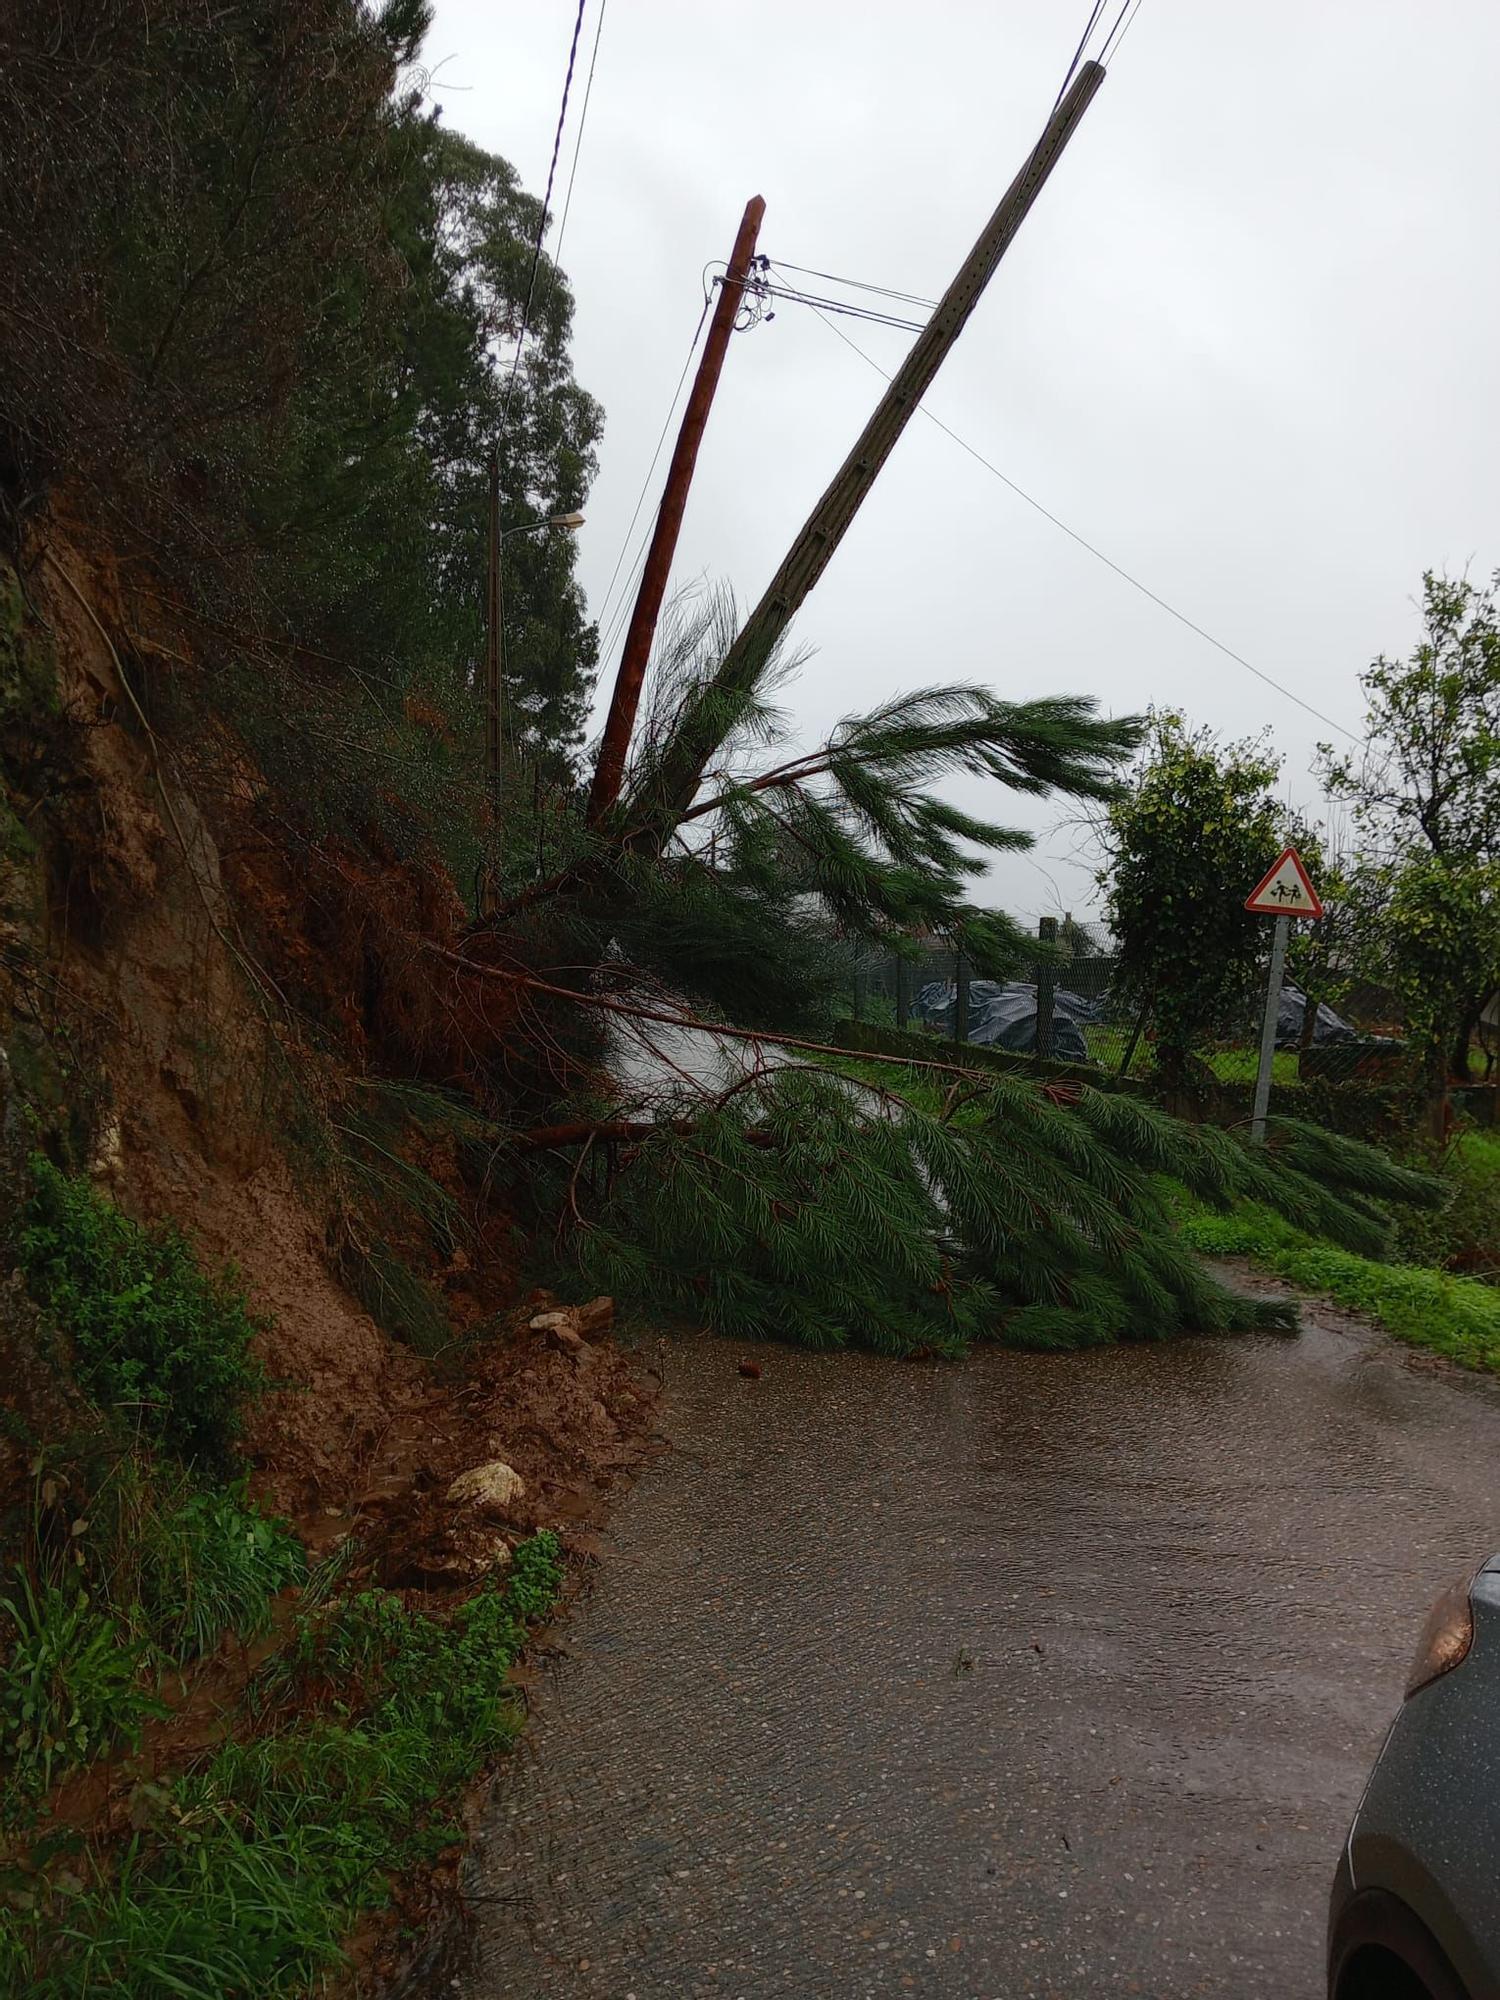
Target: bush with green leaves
1442	926
1423	789
154	1340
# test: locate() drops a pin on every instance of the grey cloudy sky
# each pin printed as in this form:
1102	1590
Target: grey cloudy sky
1246	342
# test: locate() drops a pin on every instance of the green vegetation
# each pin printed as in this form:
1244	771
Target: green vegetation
1463	1236
70	1687
153	1339
209	1564
926	1210
1422	789
1188	838
247	1874
1456	1317
129	1573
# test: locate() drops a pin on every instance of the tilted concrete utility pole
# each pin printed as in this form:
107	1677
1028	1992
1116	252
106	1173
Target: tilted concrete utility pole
826	526
609	769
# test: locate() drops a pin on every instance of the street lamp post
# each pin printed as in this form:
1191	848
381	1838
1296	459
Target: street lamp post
494	650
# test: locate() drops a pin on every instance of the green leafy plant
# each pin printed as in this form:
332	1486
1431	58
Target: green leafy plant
1443	939
69	1687
1464	1236
1453	1316
1424	792
153	1338
209	1564
1188	839
246	1875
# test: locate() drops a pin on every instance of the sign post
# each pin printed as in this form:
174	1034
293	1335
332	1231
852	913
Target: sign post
1285	892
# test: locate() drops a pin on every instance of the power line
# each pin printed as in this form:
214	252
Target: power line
770	291
856	284
1108	561
646	482
541	227
583	119
1119	31
1083	43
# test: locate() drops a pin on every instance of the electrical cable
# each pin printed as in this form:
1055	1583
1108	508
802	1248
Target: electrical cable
770	291
1108	561
856	284
1119	32
583	119
1083	43
541	227
646	482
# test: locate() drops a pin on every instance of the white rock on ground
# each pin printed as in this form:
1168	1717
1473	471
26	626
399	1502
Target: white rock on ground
490	1487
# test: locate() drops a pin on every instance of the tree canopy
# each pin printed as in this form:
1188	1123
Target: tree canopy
1188	838
1424	794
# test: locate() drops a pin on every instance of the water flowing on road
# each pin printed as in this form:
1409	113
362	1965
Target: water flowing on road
1043	1675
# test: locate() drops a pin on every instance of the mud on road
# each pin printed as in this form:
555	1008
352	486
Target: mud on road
1043	1676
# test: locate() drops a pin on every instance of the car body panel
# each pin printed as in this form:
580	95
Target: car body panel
1427	1831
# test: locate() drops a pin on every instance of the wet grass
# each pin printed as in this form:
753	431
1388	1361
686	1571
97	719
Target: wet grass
244	1876
1425	1307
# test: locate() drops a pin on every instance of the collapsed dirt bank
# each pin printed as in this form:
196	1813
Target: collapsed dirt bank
148	1047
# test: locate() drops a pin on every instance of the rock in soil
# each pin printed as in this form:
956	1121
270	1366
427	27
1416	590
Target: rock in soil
491	1488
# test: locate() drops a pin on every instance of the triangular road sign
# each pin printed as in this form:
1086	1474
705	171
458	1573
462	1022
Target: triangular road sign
1286	890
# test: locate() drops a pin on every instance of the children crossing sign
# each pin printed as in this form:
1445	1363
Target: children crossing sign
1286	890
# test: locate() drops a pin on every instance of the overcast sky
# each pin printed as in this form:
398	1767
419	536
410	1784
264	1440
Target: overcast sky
1245	343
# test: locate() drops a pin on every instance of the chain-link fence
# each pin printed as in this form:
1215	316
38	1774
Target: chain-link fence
1066	1007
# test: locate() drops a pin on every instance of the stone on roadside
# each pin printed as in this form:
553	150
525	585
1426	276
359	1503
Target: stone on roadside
595	1316
490	1488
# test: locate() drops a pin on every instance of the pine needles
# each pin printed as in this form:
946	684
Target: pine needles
813	1207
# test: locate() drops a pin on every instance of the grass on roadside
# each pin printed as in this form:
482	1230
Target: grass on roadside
245	1877
1453	1316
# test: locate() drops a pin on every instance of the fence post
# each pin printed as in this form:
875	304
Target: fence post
960	998
1135	1036
1046	981
903	991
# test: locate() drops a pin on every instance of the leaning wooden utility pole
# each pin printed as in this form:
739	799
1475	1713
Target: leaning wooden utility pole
826	526
609	769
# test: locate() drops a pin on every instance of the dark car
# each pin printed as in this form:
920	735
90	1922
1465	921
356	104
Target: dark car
1415	1910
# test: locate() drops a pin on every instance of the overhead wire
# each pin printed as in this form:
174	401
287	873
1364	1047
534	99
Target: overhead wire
1120	30
541	227
769	291
856	284
1083	42
646	482
1098	553
583	119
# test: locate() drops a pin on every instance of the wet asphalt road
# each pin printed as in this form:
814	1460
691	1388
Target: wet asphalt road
1039	1676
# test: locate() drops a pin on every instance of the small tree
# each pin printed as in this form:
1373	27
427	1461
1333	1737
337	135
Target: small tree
1443	940
1428	774
1196	828
1424	791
